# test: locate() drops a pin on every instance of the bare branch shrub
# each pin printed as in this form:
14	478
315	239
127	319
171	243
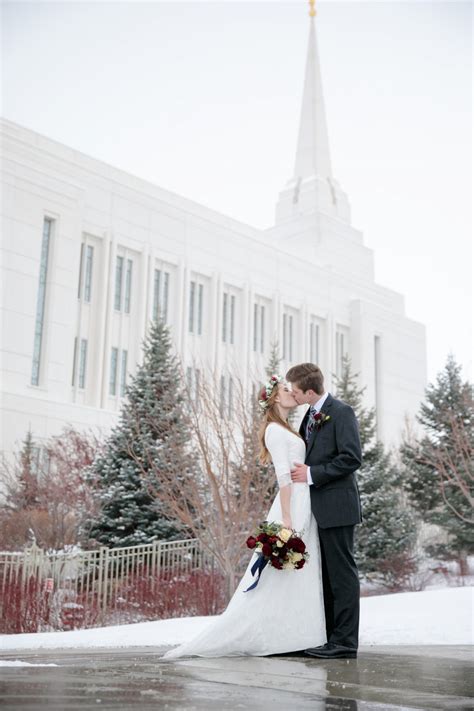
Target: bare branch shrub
225	491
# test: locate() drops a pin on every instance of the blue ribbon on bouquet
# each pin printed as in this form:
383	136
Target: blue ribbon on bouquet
258	566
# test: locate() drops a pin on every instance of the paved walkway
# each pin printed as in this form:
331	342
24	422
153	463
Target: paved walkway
381	678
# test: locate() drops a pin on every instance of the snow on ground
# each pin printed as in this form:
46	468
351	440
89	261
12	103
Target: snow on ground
19	663
429	617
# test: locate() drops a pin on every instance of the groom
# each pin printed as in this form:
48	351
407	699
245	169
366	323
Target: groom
333	454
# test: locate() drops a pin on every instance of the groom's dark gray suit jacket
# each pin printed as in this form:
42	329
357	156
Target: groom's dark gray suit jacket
334	454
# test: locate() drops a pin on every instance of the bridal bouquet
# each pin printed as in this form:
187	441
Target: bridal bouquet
278	546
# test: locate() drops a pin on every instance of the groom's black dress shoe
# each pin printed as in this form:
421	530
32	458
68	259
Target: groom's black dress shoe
332	651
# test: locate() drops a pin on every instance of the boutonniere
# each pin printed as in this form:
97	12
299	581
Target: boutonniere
320	419
317	421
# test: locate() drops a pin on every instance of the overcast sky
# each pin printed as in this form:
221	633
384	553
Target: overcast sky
203	98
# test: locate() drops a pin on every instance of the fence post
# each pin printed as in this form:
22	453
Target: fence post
103	578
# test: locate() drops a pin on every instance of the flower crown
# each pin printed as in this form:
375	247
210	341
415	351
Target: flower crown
267	390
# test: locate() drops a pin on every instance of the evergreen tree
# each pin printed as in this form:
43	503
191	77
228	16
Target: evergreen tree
151	426
388	530
447	401
26	493
348	390
273	366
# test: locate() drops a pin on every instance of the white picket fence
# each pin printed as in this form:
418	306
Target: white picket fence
74	579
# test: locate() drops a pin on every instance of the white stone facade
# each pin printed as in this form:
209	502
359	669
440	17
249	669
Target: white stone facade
91	254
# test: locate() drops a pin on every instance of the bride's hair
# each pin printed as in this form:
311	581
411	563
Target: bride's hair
270	414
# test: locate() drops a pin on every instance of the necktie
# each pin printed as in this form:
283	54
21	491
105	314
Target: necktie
311	421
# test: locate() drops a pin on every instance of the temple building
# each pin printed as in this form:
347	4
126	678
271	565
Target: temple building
92	254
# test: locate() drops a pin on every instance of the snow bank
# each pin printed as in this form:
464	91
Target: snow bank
19	663
429	617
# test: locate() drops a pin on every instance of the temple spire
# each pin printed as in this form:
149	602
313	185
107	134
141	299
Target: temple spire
312	189
312	153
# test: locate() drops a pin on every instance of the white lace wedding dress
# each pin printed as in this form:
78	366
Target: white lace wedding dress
285	612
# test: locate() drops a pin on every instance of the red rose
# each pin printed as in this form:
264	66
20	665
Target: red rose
276	563
300	564
297	545
273	539
262	538
282	552
251	542
267	549
318	416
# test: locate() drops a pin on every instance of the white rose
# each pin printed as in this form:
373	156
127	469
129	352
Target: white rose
295	557
285	534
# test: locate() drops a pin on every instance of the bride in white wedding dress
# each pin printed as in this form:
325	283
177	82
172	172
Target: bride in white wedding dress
285	612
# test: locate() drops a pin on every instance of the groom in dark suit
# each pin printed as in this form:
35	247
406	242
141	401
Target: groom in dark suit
333	454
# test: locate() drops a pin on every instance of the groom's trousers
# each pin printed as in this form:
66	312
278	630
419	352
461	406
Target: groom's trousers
340	585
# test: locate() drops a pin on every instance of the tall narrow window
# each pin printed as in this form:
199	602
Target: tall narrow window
123	373
228	318
160	295
128	285
255	326
74	362
287	345
83	364
222	397
340	351
113	372
118	283
88	281
85	272
314	342
81	271
232	318
196	303
224	317
41	301
290	337
192	299
156	295
258	328
166	288
200	307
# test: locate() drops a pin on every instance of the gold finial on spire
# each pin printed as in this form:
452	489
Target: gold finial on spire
312	9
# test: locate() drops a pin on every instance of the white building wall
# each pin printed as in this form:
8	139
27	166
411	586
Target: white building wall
312	267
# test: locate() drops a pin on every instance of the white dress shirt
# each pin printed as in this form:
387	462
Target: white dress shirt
317	407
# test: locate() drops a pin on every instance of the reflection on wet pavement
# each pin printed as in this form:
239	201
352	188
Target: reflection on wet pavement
381	678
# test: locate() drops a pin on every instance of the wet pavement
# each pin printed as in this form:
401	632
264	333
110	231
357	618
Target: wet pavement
381	678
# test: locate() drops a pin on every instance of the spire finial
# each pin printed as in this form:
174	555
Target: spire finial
312	9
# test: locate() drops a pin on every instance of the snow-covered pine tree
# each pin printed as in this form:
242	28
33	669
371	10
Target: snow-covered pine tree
388	530
151	424
448	401
273	366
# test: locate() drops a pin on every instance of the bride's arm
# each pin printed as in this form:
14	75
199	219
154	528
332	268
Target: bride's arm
277	445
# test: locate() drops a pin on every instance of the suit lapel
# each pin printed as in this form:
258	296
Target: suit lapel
326	407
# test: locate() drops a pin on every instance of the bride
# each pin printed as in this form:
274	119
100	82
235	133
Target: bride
285	612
